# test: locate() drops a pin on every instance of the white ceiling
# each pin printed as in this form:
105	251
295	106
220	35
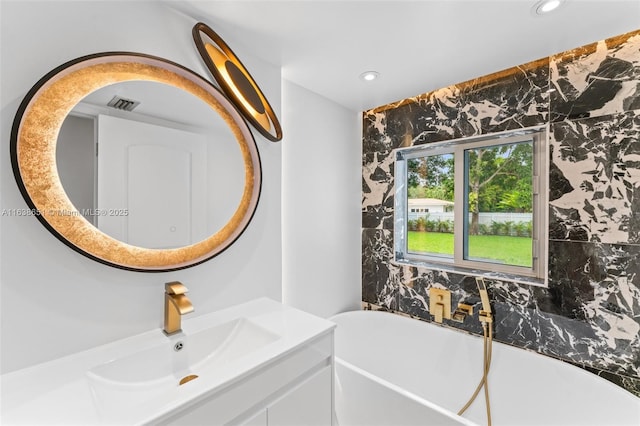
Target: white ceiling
416	46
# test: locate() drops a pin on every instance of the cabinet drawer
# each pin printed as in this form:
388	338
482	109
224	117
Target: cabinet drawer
308	404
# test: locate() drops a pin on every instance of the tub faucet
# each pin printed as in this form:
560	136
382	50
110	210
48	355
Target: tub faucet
176	304
462	311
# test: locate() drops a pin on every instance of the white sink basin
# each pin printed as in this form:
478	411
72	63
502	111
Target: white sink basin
162	367
136	380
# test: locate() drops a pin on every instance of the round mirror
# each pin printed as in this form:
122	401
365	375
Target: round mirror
135	161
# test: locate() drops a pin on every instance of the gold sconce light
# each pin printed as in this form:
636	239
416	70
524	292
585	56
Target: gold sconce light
236	82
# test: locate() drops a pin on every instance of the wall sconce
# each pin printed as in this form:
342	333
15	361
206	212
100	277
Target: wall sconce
236	82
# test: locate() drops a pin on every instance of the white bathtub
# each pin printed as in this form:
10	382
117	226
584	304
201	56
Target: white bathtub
393	370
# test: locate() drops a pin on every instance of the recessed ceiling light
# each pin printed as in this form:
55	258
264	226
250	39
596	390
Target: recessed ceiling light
369	75
546	6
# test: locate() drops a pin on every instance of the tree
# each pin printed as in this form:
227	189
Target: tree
499	179
431	177
509	168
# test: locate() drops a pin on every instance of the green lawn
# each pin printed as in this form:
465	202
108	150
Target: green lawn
503	249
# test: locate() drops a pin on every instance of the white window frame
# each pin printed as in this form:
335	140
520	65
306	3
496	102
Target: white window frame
537	274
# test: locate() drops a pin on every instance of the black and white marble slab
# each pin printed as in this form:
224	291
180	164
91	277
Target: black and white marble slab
510	99
377	190
377	269
589	314
596	179
374	133
597	79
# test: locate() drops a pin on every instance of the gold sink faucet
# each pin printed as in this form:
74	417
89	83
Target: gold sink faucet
176	304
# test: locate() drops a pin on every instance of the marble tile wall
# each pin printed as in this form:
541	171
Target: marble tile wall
590	97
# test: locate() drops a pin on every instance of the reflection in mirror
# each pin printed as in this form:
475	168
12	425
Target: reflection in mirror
166	173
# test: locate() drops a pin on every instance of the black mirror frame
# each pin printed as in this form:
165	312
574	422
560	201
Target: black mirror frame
33	142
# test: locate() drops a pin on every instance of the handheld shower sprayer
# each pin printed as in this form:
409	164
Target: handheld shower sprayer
485	313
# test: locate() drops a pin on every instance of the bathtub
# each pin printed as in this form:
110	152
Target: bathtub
394	371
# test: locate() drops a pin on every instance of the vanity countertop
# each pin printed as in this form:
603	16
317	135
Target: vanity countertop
66	390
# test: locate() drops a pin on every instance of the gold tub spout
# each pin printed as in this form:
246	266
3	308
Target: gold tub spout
176	304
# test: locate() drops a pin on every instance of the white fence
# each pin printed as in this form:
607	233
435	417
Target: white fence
484	219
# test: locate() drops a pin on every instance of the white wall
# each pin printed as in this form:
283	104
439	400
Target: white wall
53	300
321	210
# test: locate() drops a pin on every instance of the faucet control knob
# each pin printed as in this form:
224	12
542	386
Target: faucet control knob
439	304
175	287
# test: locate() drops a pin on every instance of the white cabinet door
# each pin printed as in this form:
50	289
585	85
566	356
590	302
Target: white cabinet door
308	404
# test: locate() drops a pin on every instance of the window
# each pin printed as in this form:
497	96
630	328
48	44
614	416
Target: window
475	203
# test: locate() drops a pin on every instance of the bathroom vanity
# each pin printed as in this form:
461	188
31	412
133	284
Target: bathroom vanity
258	363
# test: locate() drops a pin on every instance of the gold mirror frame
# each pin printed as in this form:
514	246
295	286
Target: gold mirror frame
236	82
33	157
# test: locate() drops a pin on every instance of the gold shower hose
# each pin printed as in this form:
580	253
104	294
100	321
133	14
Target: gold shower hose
484	382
